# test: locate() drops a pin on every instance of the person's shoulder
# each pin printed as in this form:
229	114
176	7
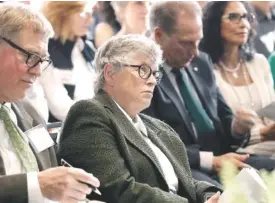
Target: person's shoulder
259	64
258	59
103	31
24	108
203	62
103	26
258	56
86	107
155	123
202	58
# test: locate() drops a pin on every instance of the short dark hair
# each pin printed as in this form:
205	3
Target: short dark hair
165	14
212	42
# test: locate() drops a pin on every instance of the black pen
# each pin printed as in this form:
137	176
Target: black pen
65	163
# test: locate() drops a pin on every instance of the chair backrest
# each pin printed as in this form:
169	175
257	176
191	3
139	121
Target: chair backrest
54	130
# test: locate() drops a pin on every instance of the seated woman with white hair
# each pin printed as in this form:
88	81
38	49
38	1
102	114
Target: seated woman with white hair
137	158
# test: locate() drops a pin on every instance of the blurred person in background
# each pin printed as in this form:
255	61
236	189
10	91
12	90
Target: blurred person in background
106	24
132	18
131	15
265	39
244	77
202	3
70	77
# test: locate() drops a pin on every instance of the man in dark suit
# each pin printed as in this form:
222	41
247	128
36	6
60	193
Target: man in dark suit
188	99
25	158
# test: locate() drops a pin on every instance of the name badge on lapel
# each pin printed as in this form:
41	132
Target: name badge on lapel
39	138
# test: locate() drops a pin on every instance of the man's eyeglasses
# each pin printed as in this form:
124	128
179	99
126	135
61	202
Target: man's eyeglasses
237	17
146	71
32	59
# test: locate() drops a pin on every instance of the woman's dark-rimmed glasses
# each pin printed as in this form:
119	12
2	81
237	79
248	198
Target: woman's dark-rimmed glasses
145	71
237	17
32	59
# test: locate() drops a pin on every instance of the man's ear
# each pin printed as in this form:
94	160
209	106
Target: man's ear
108	74
159	35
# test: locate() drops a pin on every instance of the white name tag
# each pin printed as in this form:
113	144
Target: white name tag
39	138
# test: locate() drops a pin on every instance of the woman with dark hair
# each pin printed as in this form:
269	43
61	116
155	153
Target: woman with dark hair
107	24
243	76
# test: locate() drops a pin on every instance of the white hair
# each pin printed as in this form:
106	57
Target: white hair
16	17
119	49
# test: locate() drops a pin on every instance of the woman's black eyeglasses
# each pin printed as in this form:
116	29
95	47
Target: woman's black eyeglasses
237	17
146	71
32	59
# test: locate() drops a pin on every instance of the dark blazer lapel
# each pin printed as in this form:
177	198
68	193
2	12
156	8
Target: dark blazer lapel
128	130
194	77
2	166
154	137
168	88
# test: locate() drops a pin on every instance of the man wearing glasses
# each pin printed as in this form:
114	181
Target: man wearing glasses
24	36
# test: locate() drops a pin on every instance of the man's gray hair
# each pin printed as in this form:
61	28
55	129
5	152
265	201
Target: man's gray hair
119	49
16	17
165	14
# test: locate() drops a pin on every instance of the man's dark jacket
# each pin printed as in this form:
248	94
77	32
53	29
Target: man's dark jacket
168	107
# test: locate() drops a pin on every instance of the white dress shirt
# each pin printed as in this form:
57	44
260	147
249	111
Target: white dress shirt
166	166
82	76
206	158
12	162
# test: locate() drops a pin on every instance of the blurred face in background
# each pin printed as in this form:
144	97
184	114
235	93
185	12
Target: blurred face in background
202	3
235	23
81	21
135	14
